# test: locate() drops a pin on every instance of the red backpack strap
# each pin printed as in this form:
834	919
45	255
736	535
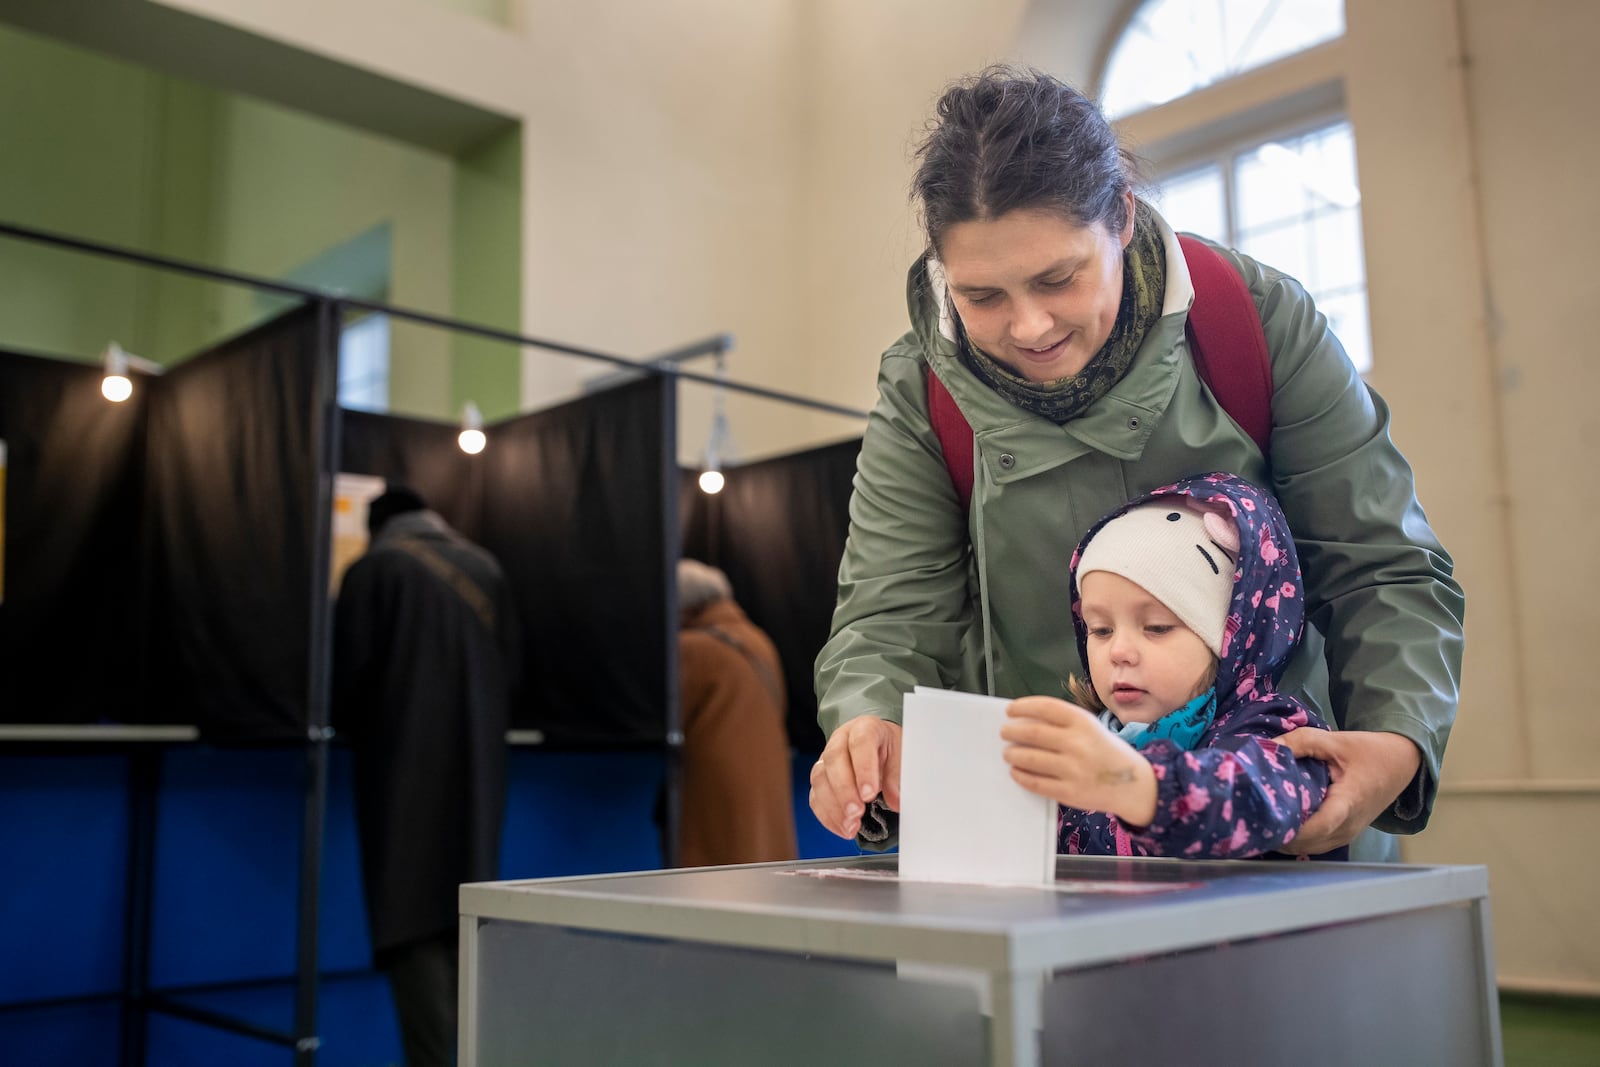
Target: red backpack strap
1227	342
955	437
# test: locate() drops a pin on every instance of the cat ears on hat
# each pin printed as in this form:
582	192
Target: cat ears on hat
1219	524
1222	530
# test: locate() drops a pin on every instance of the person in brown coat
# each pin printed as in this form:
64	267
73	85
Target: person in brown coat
738	804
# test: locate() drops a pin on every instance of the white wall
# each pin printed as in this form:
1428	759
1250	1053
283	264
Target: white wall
872	80
662	180
1477	146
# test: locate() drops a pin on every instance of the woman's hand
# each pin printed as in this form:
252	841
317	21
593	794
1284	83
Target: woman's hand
861	760
1061	751
1367	770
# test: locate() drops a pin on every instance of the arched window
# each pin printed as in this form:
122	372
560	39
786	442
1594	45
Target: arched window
1173	47
1276	180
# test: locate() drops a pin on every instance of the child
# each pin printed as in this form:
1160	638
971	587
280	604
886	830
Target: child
1187	606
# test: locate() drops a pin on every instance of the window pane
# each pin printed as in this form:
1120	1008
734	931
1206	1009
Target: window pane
1282	247
1193	202
1335	248
364	364
1297	178
1172	47
1299	211
1330	155
1265	194
1265	30
1347	315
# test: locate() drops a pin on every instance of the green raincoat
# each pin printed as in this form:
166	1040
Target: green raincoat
978	601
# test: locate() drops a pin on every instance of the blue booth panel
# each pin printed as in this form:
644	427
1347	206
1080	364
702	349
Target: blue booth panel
64	839
67	1035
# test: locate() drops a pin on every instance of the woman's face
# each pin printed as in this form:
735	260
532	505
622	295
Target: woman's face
1035	291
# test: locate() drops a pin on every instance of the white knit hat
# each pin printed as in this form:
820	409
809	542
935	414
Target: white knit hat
1182	555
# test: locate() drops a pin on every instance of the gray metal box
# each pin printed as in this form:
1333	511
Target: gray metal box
1122	961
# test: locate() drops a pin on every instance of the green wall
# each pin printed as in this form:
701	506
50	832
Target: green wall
488	274
84	153
112	152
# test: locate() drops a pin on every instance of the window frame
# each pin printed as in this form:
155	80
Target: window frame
1287	97
1122	21
1224	156
1225	152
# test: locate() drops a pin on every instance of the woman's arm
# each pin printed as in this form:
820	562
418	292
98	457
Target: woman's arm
902	612
1379	586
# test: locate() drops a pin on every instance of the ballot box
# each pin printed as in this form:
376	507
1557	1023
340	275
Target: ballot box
1136	961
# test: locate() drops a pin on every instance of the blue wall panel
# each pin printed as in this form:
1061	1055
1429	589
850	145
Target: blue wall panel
64	854
343	944
76	1035
225	885
814	840
227	866
355	1020
175	1042
572	813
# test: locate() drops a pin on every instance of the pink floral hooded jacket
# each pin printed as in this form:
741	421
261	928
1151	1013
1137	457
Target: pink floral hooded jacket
1238	792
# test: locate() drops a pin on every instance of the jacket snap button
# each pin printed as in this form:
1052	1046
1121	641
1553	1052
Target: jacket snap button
1007	461
1133	423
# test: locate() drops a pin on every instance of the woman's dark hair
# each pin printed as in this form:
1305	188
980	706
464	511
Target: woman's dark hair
1006	139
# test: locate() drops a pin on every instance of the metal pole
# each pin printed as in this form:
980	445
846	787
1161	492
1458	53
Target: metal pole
711	346
671	550
325	455
714	344
664	369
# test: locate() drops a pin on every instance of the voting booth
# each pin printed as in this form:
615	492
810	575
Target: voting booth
1115	961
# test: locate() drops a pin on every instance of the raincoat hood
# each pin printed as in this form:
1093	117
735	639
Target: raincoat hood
1266	614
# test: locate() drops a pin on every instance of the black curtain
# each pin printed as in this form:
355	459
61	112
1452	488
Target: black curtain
569	501
231	509
70	620
421	454
220	504
778	529
573	510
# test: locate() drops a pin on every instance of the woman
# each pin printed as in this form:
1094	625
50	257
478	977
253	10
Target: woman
1051	304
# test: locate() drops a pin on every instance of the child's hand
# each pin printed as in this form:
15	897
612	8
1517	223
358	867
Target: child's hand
1061	751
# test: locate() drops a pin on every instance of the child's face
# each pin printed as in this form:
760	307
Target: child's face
1143	662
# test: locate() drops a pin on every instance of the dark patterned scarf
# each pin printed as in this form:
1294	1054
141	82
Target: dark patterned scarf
1144	275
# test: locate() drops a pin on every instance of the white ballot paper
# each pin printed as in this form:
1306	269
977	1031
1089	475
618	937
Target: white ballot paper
962	818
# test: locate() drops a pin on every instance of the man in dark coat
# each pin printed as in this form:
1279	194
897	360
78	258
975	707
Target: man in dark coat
425	660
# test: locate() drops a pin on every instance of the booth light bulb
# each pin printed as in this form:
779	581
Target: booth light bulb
116	388
471	441
711	481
